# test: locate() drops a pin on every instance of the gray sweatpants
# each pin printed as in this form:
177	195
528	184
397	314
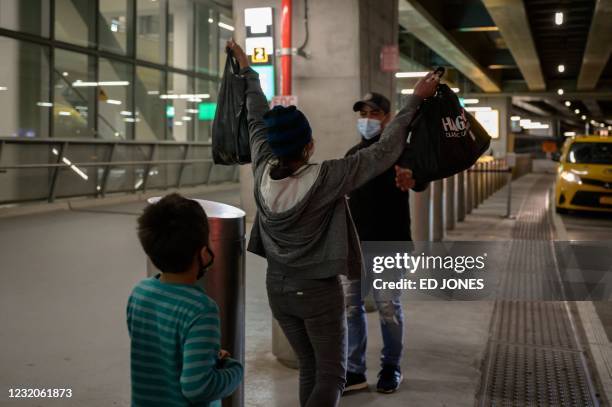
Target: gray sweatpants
311	313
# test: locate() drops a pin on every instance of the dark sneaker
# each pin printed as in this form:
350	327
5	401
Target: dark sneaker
355	381
389	379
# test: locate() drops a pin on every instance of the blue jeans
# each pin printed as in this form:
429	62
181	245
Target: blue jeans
391	325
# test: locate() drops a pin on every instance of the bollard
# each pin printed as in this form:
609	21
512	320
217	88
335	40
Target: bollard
449	203
482	187
469	190
474	177
436	215
509	198
419	214
461	196
225	281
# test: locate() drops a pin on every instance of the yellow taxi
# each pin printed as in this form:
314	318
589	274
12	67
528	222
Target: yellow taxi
584	177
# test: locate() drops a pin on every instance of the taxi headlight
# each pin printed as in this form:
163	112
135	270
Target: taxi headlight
571	177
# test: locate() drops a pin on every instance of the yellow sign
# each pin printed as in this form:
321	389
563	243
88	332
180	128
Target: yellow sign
260	56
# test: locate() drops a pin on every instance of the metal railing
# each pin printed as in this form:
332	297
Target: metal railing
63	154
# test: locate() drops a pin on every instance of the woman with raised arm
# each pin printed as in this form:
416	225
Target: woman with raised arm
304	229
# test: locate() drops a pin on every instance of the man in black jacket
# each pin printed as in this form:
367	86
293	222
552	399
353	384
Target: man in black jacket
381	213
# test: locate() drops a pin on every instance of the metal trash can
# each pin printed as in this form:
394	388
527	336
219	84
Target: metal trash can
225	281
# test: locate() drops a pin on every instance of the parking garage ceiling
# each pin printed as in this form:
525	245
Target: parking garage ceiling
521	48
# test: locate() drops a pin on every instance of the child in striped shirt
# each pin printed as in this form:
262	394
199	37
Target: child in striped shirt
176	358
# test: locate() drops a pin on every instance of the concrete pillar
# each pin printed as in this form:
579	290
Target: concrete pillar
344	45
461	196
419	214
437	213
449	203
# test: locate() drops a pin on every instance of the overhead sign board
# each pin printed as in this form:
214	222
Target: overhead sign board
259	45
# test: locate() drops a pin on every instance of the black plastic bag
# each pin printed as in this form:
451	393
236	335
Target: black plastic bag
230	132
443	139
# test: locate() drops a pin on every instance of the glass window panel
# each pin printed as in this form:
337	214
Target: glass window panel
26	184
74	21
30	16
180	34
115	116
113	26
74	95
197	173
226	32
150	30
207	33
79	180
24	89
166	175
180	100
150	108
205	113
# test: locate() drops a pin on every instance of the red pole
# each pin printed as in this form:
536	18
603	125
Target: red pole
285	47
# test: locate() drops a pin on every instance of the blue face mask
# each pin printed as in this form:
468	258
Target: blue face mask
368	128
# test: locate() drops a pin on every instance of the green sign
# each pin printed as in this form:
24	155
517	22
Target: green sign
170	111
207	110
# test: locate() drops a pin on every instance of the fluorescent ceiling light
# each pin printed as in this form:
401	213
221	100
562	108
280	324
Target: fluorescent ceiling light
470	101
210	20
568	103
583	117
113	102
577	111
81	84
153	92
569	133
44	104
515	118
456	90
225	26
561	68
192	111
410	74
178	123
479	109
125	113
558	18
560	92
407	91
64	113
186	118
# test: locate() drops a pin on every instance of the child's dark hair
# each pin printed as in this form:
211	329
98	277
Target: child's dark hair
172	231
285	166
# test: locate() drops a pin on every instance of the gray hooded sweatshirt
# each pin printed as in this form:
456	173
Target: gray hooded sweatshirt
315	237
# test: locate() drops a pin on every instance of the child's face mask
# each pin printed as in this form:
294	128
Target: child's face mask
204	267
368	128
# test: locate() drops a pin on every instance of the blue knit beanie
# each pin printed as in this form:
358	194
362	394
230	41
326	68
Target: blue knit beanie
288	130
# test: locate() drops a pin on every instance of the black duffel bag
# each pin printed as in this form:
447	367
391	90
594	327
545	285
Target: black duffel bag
443	139
230	132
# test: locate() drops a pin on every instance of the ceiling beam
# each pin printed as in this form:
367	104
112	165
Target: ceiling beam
428	30
530	108
593	107
598	47
568	95
510	17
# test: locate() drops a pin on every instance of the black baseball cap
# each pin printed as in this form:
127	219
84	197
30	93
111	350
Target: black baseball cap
375	101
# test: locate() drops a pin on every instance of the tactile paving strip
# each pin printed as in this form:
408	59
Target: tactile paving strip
533	357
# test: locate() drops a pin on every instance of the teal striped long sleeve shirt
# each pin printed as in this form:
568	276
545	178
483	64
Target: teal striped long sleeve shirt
175	342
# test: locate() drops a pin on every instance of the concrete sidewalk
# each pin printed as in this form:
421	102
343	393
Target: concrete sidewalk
66	276
444	341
